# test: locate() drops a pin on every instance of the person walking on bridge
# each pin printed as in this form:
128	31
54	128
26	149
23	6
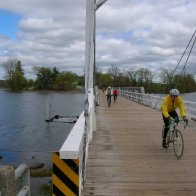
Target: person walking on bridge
169	105
109	94
115	94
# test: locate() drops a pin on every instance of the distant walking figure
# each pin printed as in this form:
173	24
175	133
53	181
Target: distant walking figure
115	93
109	94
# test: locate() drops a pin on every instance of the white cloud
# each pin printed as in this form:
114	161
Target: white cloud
146	33
162	51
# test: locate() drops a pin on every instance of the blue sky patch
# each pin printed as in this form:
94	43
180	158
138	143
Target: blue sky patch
8	23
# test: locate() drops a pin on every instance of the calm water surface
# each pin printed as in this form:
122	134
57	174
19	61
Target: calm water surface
24	134
189	96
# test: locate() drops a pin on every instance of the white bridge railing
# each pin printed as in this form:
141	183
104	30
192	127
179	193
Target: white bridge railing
23	173
156	101
75	150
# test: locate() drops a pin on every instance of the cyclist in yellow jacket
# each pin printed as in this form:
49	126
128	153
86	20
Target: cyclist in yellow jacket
170	103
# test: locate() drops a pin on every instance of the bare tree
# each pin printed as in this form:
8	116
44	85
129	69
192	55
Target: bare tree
114	71
166	76
144	75
9	67
132	75
14	74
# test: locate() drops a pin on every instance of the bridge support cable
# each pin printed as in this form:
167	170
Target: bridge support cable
183	70
183	54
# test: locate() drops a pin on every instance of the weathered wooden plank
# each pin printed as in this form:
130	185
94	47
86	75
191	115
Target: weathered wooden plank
126	157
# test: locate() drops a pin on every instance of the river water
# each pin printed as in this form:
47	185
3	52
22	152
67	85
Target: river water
189	96
24	134
25	137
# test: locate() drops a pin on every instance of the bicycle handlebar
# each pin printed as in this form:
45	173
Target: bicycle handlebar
177	120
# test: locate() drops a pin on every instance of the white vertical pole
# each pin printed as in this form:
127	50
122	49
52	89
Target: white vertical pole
92	34
89	45
91	7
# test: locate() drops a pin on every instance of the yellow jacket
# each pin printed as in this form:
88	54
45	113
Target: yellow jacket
168	106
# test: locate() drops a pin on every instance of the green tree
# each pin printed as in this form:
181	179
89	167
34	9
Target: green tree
46	78
97	76
185	83
19	67
106	80
19	81
66	81
14	74
30	84
81	80
190	83
122	80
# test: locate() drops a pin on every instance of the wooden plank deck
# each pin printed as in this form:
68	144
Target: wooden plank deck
126	157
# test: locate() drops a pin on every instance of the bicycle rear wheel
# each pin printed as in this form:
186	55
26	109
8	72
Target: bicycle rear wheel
178	144
115	98
168	139
109	101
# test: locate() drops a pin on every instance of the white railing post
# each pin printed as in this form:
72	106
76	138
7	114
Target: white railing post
23	170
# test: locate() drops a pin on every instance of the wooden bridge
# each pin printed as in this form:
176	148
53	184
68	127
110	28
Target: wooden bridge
126	156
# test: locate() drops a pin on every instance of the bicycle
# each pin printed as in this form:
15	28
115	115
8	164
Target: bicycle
109	100
175	136
115	98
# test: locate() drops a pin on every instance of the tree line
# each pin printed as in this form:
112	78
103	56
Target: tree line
53	79
46	78
136	77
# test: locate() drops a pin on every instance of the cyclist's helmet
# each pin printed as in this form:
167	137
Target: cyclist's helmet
174	92
109	86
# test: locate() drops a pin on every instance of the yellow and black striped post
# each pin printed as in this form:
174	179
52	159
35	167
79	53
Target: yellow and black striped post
65	176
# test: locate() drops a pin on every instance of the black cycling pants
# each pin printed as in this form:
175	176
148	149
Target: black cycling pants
173	114
115	97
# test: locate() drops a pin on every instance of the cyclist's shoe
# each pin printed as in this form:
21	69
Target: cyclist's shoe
164	145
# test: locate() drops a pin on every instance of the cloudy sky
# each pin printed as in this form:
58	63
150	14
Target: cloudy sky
129	33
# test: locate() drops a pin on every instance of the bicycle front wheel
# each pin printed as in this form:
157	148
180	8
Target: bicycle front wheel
178	144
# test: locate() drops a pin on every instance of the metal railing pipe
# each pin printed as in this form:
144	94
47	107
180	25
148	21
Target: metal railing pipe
23	170
24	191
